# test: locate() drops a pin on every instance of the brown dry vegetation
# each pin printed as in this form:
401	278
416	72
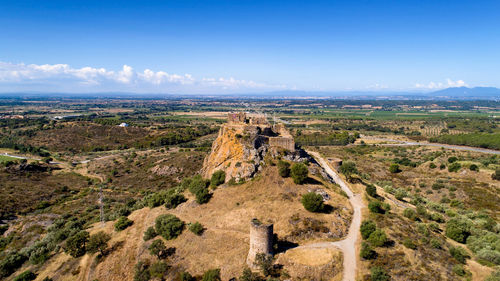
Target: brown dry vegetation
224	243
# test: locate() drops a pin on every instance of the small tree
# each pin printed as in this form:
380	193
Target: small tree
348	169
76	244
376	207
454	167
379	274
218	178
452	159
371	190
283	168
158	249
169	226
248	275
150	233
158	270
394	168
459	253
299	173
432	165
211	275
366	228
312	202
98	242
174	200
196	228
458	229
474	168
265	263
367	252
25	276
122	223
410	213
378	238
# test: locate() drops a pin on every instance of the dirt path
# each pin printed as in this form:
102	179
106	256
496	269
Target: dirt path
348	244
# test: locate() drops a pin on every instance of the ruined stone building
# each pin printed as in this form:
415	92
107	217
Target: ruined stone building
261	241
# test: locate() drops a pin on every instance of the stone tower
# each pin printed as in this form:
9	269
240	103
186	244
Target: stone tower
261	240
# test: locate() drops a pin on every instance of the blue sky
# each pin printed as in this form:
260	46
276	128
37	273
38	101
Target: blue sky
247	46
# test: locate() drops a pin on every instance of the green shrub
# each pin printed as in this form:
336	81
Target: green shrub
432	165
25	276
452	159
265	263
435	243
394	168
98	242
474	168
169	226
378	238
371	190
142	271
459	253
454	167
379	274
410	213
376	207
283	168
185	276
489	256
198	187
458	229
348	168
211	275
299	173
459	270
196	228
367	228
122	223
11	263
312	202
408	243
437	217
367	252
218	178
158	249
149	234
75	245
174	200
158	270
248	275
400	194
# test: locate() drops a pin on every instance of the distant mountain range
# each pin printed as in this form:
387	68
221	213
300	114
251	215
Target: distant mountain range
479	92
455	93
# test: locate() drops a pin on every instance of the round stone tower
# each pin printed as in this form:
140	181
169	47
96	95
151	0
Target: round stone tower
261	240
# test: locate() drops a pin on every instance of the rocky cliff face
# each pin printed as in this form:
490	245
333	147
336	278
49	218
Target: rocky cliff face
239	150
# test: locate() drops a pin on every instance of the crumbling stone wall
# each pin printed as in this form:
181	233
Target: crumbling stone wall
261	240
283	142
240	117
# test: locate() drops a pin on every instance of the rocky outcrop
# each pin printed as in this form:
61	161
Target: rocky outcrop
238	150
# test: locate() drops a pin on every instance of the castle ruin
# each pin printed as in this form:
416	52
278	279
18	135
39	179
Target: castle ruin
277	136
261	241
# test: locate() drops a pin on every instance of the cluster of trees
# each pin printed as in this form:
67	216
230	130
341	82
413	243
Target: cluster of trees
373	237
491	141
298	171
183	135
334	138
9	142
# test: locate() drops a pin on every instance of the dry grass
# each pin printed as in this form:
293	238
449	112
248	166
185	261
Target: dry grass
224	243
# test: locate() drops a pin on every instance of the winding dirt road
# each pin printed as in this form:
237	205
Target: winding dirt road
348	244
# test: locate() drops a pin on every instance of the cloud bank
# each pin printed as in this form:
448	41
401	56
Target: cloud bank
62	77
439	85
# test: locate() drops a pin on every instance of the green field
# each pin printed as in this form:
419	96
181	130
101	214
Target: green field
4	158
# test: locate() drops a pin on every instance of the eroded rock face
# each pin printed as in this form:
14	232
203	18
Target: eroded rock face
238	150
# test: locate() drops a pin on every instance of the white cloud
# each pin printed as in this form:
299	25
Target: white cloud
439	85
63	77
